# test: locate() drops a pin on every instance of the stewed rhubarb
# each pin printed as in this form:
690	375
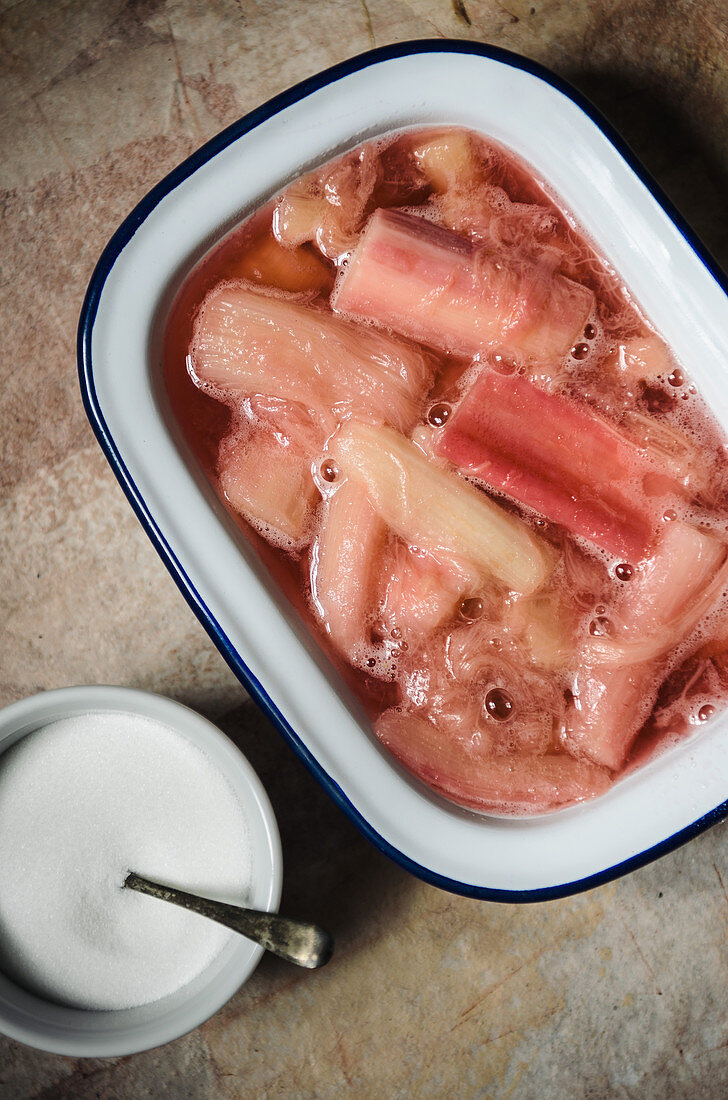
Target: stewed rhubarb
431	507
620	674
482	478
556	456
253	343
465	770
413	277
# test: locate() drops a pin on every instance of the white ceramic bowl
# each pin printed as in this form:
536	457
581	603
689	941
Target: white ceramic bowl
79	1033
572	147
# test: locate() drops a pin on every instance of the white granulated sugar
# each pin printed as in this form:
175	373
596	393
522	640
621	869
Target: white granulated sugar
83	801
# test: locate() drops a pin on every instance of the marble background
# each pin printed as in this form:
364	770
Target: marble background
620	992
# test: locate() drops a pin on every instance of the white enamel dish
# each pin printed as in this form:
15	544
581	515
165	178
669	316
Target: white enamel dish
572	147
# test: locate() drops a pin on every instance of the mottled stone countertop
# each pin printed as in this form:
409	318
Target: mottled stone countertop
618	992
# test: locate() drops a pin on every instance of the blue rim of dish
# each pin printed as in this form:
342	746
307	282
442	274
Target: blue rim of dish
117	243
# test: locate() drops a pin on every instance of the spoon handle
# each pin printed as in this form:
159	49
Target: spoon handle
296	941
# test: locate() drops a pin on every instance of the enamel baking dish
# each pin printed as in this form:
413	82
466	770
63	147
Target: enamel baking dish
509	98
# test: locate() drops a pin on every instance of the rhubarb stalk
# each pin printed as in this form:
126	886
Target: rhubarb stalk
415	278
248	343
469	775
556	457
435	509
620	675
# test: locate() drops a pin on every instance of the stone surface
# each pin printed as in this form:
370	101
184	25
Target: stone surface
619	992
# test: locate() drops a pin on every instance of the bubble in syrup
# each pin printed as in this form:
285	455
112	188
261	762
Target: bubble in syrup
676	378
623	571
371	662
600	609
498	704
540	523
600	627
503	363
706	711
669	515
396	633
438	414
590	332
329	470
471	608
580	351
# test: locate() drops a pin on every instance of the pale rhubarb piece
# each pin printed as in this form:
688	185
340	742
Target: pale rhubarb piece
459	769
556	457
642	359
269	483
447	160
327	207
345	570
673	452
432	508
419	592
292	423
248	343
668	597
268	263
299	213
547	626
611	704
620	675
427	283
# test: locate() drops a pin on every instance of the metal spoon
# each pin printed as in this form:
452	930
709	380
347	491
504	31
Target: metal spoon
296	941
